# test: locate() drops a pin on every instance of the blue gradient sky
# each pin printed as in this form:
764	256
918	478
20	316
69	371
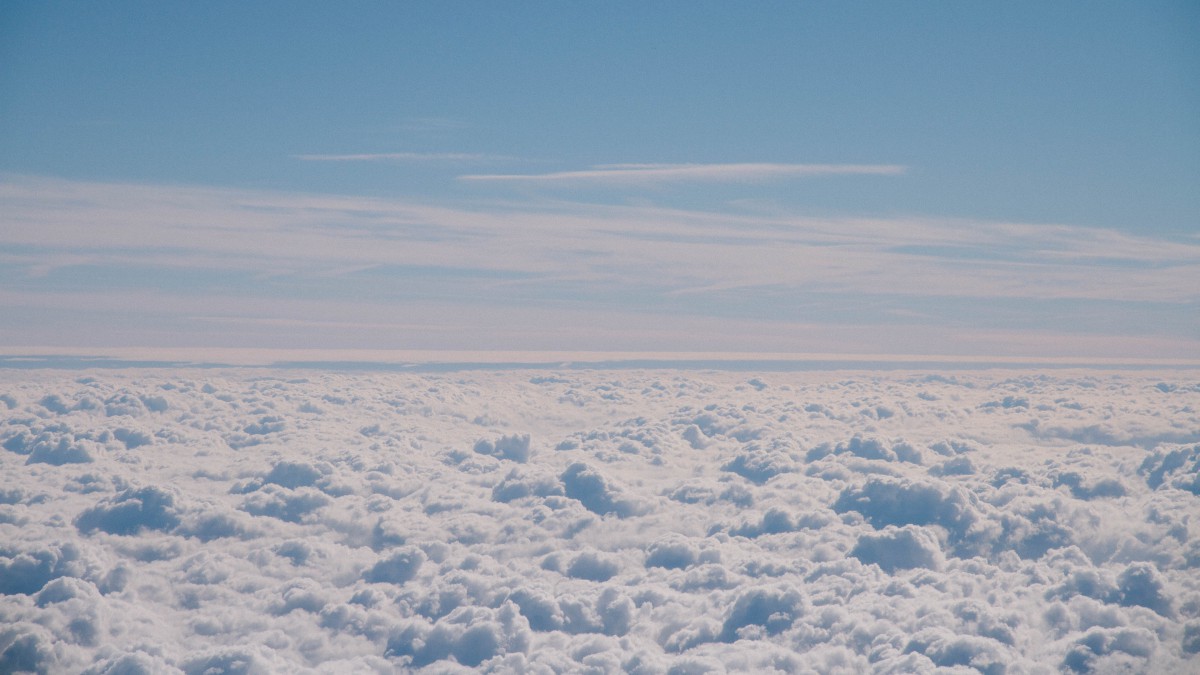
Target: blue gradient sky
964	178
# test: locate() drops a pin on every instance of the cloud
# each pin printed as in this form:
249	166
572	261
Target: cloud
284	503
646	174
514	448
404	157
596	493
469	635
766	610
131	511
593	567
901	548
372	537
887	502
397	568
672	553
54	446
28	571
100	261
1177	467
758	464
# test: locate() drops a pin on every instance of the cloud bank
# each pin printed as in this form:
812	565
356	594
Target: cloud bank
647	521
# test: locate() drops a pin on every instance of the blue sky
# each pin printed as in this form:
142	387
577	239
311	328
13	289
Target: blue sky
899	178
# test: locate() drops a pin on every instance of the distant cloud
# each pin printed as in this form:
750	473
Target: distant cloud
403	157
661	173
428	125
308	270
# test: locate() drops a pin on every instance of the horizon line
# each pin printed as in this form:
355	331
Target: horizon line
27	357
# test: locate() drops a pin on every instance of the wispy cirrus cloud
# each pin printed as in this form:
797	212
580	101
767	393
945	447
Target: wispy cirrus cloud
576	274
404	157
719	173
53	223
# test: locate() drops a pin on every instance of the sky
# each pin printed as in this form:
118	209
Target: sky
925	178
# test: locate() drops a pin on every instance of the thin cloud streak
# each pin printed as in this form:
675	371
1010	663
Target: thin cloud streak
404	157
661	173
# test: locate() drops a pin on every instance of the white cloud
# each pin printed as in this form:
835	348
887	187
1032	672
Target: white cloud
355	271
635	174
403	157
378	523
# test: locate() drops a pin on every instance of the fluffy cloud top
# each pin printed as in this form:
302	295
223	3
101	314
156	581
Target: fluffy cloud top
221	521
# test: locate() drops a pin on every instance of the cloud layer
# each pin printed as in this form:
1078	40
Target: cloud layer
176	266
651	521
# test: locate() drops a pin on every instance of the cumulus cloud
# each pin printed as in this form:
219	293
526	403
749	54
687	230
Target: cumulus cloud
131	511
889	502
27	571
286	504
54	444
1173	467
758	464
596	493
676	522
468	635
900	548
397	568
766	611
514	448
